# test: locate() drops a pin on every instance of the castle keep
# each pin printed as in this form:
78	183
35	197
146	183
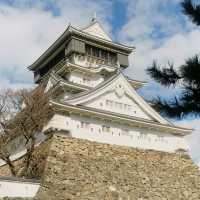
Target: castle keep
95	100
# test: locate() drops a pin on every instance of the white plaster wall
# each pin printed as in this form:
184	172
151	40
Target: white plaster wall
18	189
123	105
85	79
118	134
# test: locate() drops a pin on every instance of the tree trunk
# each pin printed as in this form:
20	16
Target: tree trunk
28	157
11	166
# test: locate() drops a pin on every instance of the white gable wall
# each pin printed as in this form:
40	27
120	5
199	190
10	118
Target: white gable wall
122	87
96	30
113	103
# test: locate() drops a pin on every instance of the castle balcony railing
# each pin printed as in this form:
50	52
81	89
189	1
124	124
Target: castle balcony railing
92	61
87	61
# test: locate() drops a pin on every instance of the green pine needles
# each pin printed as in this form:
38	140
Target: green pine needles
186	76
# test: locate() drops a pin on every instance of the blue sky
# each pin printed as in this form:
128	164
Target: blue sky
157	28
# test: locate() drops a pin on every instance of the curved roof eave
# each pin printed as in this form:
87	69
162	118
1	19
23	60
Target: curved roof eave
174	129
50	49
71	30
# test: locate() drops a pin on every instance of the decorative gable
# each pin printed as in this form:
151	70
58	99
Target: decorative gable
117	101
96	29
117	95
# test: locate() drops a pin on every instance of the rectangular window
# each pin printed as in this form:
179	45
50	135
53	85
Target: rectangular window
109	103
94	52
125	107
120	106
143	136
160	138
88	50
125	132
117	104
105	55
85	125
105	128
86	80
129	108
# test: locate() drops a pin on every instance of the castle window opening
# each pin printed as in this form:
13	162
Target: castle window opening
85	125
105	128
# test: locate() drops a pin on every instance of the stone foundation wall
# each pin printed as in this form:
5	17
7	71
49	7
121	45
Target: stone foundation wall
79	170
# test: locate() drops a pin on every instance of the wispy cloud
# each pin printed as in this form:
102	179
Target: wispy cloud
159	31
29	27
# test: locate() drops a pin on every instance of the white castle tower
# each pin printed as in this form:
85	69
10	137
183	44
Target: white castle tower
94	100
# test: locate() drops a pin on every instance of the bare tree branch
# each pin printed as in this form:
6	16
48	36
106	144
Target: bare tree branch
22	113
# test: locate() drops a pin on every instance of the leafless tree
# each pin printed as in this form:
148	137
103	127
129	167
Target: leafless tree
23	114
9	106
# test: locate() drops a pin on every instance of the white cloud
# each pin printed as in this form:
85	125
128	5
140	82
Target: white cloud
149	19
27	30
175	49
158	32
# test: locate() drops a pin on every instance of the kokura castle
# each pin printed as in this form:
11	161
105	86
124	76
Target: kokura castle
97	101
105	141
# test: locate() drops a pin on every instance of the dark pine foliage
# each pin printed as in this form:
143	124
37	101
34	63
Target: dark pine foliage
165	76
187	77
192	11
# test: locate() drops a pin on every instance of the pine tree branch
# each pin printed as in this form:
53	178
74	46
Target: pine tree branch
192	11
189	74
191	71
166	76
171	108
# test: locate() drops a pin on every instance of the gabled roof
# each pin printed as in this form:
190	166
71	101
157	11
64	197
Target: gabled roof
111	83
96	29
85	34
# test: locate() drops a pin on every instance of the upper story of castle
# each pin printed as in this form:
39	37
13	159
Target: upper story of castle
91	48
